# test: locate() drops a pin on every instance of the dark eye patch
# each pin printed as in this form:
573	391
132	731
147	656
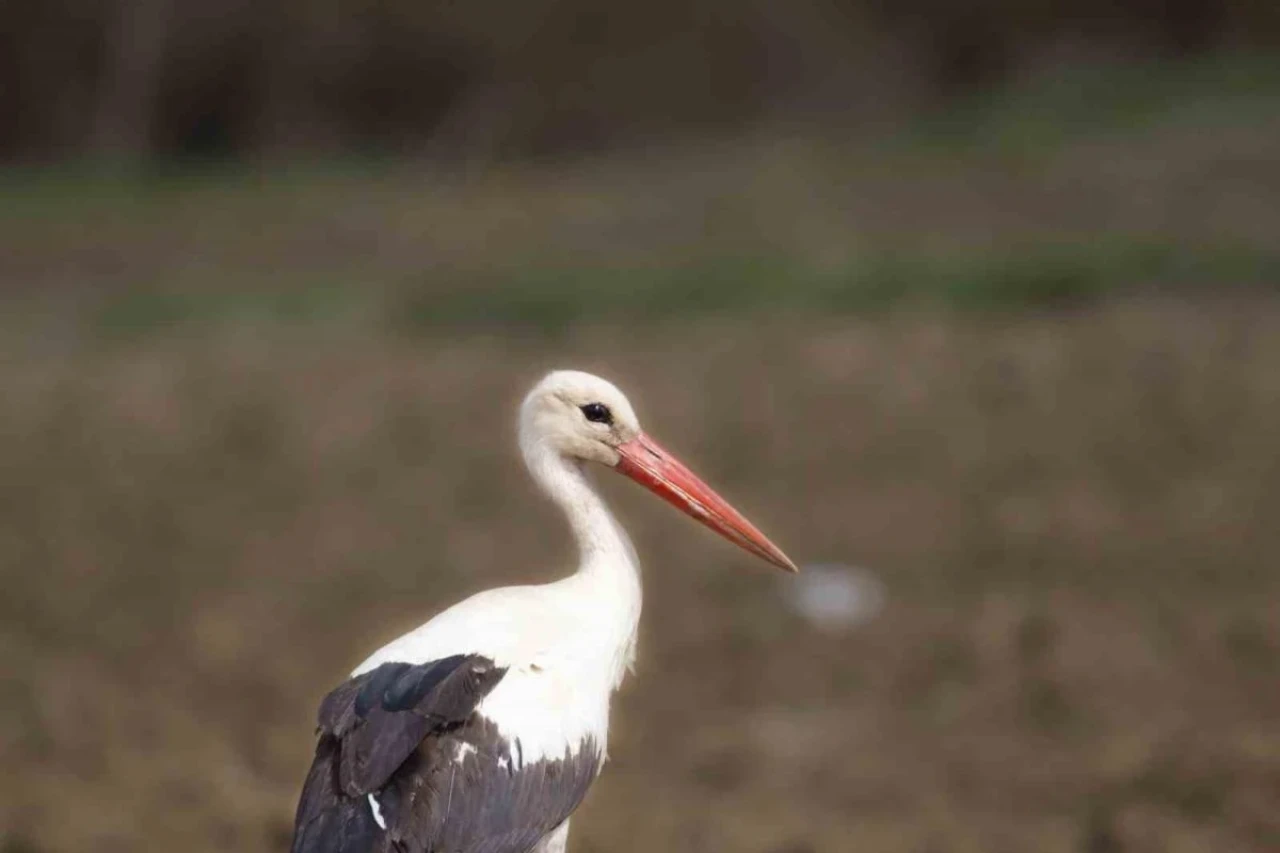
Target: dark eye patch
597	413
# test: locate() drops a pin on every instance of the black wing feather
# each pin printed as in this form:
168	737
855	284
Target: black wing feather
369	727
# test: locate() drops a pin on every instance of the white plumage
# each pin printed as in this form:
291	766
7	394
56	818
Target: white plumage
547	659
568	644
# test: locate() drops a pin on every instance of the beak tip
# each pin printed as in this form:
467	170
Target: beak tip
775	555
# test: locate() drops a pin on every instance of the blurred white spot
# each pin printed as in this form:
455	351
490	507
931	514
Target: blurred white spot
834	597
377	812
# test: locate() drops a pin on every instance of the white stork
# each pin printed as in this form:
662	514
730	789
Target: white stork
481	731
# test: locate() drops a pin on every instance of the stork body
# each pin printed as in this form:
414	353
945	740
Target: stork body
481	731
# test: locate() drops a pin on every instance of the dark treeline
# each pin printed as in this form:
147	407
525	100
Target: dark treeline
137	79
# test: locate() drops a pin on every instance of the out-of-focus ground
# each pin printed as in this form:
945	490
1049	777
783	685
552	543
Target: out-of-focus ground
1056	191
255	426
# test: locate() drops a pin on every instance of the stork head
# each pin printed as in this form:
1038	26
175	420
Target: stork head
584	417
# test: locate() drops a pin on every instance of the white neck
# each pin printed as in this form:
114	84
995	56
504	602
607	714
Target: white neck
602	543
605	589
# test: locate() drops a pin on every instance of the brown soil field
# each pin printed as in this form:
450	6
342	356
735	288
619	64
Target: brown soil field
1074	514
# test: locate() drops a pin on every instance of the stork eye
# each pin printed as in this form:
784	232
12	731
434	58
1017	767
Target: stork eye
597	413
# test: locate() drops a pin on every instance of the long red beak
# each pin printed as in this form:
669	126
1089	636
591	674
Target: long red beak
644	461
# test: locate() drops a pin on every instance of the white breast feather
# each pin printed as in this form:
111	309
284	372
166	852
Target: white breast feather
565	645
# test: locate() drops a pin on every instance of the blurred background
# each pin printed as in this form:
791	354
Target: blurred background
974	307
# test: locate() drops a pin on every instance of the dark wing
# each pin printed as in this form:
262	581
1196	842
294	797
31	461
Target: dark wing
369	727
491	801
